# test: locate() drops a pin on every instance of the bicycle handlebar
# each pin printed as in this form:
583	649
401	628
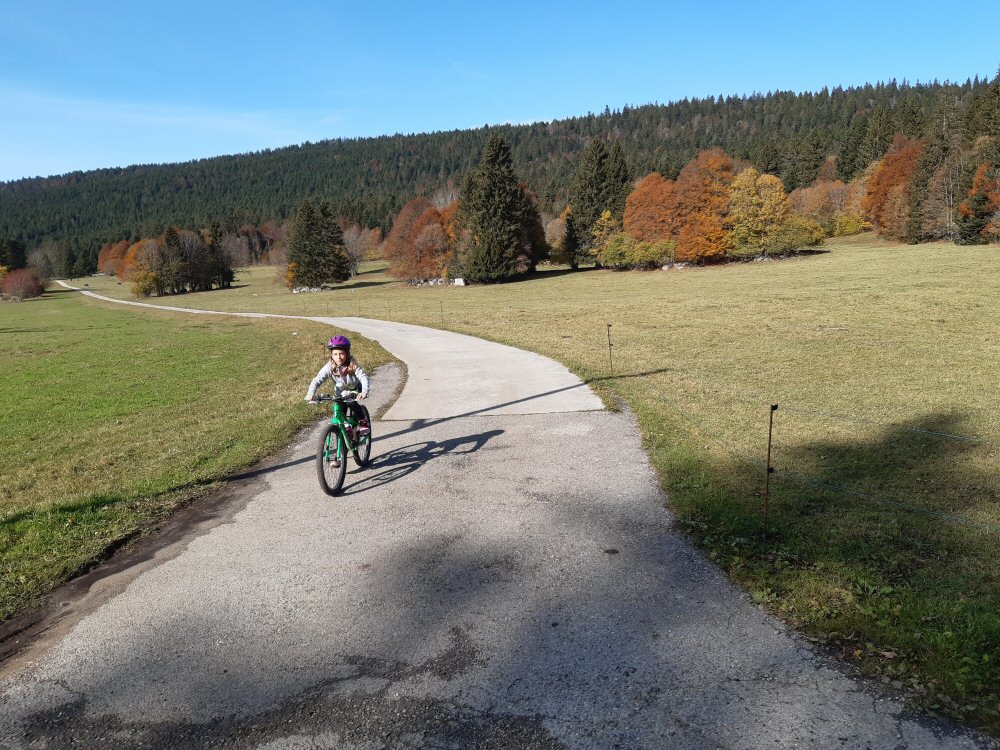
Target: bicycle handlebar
345	397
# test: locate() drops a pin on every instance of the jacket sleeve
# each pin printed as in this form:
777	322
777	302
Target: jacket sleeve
363	377
321	377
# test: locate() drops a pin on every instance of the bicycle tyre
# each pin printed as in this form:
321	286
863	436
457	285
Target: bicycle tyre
331	445
362	449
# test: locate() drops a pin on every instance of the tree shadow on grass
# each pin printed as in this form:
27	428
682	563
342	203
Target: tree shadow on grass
586	624
360	285
923	468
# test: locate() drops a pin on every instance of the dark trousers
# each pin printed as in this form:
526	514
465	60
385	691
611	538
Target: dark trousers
358	412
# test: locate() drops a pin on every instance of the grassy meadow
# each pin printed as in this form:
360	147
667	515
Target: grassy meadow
884	521
113	417
883	528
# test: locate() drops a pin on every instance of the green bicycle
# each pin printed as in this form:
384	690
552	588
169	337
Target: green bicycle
339	437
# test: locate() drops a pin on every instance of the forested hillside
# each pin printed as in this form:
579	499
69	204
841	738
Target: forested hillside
368	180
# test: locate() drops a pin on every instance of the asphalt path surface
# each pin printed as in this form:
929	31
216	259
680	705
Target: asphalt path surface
504	575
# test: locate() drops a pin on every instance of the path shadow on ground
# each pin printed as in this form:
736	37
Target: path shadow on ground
420	424
586	621
400	462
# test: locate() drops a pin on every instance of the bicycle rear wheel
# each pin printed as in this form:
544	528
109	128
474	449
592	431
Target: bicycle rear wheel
363	446
331	460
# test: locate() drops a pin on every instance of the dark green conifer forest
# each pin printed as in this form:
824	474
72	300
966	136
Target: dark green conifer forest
368	180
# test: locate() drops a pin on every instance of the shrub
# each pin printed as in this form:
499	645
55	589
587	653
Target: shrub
622	252
850	223
796	233
145	283
21	284
291	274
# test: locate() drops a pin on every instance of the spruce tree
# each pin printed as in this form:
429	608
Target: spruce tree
81	266
12	255
588	195
316	247
978	209
491	216
877	138
619	183
849	156
940	136
171	268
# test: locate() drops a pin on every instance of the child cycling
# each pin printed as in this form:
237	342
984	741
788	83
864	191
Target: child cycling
347	375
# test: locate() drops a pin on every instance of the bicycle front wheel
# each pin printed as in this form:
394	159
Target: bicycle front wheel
331	460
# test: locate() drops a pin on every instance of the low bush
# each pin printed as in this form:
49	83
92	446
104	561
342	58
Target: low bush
21	284
622	252
796	233
850	223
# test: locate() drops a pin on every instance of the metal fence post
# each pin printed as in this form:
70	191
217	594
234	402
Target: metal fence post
770	469
610	358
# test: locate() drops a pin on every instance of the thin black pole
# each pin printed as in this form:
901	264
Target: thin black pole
610	358
770	469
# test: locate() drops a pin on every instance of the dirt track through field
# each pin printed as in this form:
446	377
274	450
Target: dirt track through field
504	575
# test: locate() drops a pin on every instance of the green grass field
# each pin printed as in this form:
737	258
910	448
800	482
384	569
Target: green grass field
884	517
113	417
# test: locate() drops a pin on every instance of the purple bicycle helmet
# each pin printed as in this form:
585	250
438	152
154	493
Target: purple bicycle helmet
339	342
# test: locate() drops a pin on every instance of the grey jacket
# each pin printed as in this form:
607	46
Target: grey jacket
342	381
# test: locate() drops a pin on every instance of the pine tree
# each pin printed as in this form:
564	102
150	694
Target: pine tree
589	196
977	211
803	160
316	247
12	255
619	181
534	247
940	136
81	266
909	117
171	269
849	157
491	216
878	137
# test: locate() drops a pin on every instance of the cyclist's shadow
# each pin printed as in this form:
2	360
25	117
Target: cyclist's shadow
399	462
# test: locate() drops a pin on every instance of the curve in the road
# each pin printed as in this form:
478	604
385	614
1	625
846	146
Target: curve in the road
457	375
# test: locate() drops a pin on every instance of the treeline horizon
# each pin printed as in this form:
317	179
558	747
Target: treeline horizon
369	180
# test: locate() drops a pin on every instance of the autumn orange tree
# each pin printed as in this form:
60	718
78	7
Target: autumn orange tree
649	210
399	244
109	259
887	203
127	267
701	202
418	246
823	202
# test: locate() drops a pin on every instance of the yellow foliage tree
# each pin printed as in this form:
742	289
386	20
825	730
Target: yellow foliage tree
758	208
605	227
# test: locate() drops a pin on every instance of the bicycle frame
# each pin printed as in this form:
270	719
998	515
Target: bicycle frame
345	424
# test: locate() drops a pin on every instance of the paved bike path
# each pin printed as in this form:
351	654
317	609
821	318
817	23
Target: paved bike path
455	374
492	580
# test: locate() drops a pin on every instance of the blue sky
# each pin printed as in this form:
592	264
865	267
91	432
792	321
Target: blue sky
108	84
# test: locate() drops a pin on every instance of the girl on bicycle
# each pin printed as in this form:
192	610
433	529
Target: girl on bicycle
347	375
